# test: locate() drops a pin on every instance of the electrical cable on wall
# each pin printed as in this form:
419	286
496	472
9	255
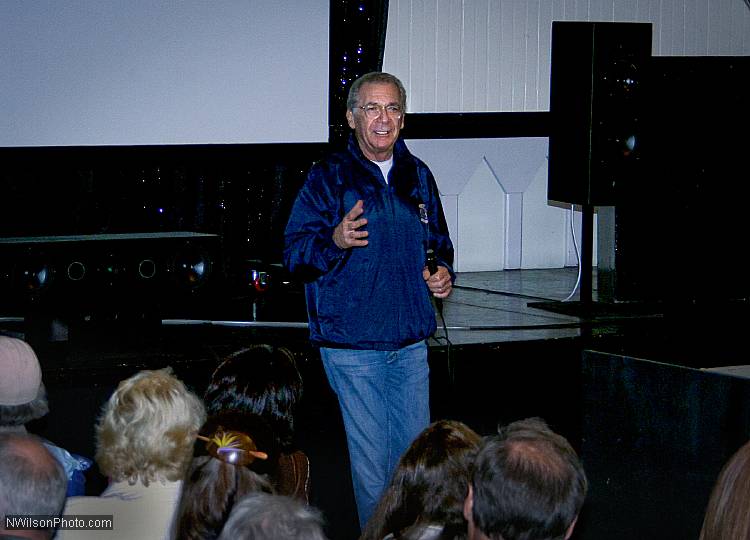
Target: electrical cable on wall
578	253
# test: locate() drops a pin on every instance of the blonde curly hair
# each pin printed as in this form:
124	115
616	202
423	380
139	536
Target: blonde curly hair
147	428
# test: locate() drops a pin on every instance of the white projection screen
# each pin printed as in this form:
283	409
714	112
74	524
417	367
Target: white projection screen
158	72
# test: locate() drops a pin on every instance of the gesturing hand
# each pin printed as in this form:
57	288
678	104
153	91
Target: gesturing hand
346	235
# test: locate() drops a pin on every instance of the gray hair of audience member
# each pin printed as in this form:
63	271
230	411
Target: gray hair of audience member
32	481
376	77
261	516
147	428
528	483
18	415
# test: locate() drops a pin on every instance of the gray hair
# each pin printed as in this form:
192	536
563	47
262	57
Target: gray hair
147	428
18	415
375	77
260	516
29	483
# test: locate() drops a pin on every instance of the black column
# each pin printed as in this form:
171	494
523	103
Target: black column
357	42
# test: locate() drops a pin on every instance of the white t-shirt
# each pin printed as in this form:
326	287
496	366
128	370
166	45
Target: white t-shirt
385	167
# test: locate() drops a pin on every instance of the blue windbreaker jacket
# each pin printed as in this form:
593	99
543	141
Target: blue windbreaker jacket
371	297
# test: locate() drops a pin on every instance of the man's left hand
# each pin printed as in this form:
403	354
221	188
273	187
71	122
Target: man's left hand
439	283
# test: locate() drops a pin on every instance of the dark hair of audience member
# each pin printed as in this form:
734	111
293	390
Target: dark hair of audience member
429	485
211	486
728	512
261	379
527	483
260	516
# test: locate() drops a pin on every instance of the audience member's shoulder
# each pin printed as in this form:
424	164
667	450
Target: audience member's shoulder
81	504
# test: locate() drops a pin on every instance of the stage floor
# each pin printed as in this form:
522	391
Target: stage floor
487	307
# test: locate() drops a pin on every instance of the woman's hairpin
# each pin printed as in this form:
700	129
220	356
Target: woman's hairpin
233	447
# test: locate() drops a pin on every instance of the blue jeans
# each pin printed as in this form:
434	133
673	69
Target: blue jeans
385	402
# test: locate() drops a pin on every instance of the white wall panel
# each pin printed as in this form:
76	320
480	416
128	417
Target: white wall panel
546	16
494	55
533	81
697	38
450	209
544	226
429	69
484	184
504	56
481	236
468	61
417	36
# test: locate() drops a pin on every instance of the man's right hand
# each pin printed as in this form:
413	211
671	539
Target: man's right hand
346	234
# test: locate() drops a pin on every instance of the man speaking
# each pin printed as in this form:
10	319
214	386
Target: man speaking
358	236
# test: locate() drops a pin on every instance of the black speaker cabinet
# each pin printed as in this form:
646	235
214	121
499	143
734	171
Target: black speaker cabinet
596	93
681	234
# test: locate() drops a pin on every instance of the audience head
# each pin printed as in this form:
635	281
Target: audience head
215	480
147	428
727	515
32	481
429	484
527	484
22	394
263	380
261	516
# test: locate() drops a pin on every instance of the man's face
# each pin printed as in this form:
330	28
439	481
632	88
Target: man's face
376	136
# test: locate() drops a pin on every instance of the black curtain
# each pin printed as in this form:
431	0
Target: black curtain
357	42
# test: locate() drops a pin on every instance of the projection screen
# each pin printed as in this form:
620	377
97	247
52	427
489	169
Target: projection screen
156	72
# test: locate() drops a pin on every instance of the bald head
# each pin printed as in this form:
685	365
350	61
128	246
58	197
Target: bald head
27	447
527	483
32	481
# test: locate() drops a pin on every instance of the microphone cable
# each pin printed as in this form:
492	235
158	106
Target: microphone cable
432	267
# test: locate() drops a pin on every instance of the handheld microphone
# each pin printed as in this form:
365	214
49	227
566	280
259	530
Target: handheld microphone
431	261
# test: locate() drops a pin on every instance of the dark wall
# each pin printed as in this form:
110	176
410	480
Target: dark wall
241	192
655	437
109	198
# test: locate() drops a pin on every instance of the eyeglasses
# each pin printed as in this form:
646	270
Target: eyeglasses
374	110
